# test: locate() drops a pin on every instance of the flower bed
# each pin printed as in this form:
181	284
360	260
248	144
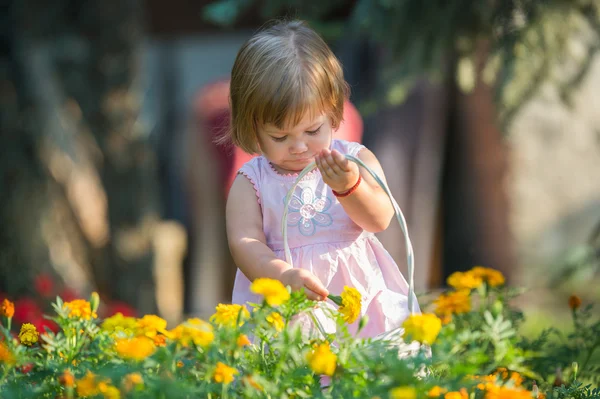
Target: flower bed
469	348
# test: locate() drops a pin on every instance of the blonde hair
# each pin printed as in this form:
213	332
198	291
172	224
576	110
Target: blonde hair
279	75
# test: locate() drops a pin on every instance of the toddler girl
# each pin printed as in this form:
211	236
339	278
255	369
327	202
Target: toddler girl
287	94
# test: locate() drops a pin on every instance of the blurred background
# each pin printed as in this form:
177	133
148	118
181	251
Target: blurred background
484	116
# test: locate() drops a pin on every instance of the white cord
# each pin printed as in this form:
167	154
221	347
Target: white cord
397	211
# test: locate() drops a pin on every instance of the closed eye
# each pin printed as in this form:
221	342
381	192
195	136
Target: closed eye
314	131
279	139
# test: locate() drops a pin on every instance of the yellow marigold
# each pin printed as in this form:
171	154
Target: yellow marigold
227	315
224	374
67	379
109	391
180	364
136	348
403	393
28	334
193	330
150	325
243	340
423	328
351	304
119	325
462	394
7	309
574	302
322	360
272	290
502	392
492	277
516	378
6	355
133	380
456	302
436	392
276	321
80	308
464	280
87	386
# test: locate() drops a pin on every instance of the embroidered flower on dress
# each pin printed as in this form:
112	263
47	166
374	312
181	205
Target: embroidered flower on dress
307	211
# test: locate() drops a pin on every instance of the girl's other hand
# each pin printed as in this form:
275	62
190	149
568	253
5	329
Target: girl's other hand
338	172
300	278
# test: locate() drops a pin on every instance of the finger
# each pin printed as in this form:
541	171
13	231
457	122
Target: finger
325	169
313	284
332	164
340	160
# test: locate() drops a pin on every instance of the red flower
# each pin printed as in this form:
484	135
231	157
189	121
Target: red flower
44	285
68	295
26	309
40	323
115	307
26	368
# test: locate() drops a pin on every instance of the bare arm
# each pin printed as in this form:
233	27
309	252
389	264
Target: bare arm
248	246
368	206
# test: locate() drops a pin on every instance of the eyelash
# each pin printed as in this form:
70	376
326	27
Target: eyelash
310	132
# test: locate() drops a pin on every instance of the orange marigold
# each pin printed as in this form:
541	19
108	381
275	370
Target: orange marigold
574	302
7	309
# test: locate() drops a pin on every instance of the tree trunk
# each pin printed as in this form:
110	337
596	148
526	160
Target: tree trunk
77	171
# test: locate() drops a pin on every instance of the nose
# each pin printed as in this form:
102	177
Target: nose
298	147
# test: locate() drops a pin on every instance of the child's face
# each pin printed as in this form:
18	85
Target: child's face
292	149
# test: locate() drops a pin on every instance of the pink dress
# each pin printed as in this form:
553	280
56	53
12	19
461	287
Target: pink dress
324	240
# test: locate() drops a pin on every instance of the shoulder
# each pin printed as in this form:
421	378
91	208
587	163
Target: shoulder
347	147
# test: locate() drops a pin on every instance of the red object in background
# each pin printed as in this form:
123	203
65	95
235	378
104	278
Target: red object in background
26	309
41	323
44	285
26	368
68	295
115	307
211	111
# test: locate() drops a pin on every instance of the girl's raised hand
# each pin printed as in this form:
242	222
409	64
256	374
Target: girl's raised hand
338	172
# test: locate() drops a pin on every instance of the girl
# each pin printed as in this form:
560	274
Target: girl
287	94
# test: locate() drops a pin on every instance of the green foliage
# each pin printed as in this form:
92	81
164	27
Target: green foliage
478	350
516	45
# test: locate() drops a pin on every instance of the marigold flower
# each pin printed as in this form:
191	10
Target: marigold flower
272	290
423	328
574	302
87	385
160	340
322	360
403	393
28	334
6	355
492	277
503	392
464	280
462	394
193	330
7	309
456	302
243	340
276	321
150	325
180	364
224	374
136	348
80	308
132	381
436	391
109	391
119	324
228	315
67	379
351	304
